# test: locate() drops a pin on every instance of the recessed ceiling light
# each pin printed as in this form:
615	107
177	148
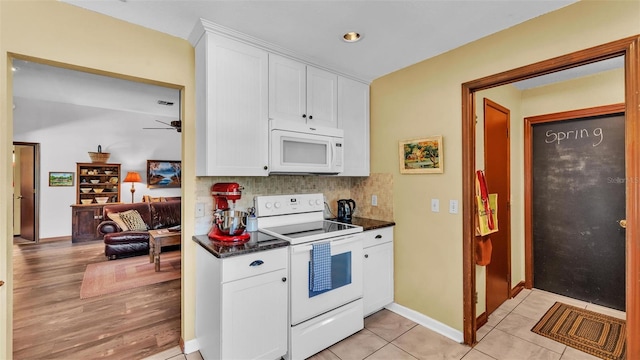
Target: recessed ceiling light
351	37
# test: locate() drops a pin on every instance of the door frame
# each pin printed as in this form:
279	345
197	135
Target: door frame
629	48
528	166
36	183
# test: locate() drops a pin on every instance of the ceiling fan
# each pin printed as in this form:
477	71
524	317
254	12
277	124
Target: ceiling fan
173	125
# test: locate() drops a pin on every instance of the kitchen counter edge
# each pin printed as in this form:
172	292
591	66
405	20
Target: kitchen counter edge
370	224
226	250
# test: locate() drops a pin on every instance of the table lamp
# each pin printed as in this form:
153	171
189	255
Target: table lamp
132	177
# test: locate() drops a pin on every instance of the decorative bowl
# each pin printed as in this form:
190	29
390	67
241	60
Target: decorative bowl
97	190
86	201
85	190
113	180
108	172
94	181
102	199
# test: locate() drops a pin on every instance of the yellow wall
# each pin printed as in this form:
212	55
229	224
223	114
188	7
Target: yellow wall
86	40
425	99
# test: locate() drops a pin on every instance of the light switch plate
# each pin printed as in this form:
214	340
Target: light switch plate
453	206
374	200
435	205
199	209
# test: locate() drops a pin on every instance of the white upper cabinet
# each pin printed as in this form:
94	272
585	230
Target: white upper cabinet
302	93
232	129
353	118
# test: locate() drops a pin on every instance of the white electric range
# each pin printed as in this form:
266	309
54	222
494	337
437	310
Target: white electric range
317	318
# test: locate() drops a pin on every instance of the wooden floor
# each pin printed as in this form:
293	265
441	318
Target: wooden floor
52	322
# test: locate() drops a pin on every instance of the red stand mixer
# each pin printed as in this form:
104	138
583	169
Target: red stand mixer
228	224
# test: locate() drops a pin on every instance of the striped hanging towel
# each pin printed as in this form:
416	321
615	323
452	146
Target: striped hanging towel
320	276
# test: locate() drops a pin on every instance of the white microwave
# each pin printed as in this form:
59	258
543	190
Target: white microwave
302	149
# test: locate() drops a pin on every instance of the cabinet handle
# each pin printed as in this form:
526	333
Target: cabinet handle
304	116
266	167
310	117
284	279
378	236
257	263
366	256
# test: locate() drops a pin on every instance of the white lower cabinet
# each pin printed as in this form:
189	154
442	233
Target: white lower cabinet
378	269
242	305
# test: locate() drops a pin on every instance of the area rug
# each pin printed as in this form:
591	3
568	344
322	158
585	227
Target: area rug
123	274
596	334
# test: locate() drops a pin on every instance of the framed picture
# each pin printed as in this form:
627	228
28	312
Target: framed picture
164	174
422	156
58	178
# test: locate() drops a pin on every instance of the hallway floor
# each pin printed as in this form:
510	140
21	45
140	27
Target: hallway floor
506	336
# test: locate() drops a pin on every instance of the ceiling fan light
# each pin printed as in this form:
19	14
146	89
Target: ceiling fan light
351	36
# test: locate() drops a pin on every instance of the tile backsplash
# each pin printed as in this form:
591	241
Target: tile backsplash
359	189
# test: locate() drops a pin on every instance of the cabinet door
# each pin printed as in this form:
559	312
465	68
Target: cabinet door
231	108
287	89
84	223
378	277
322	98
353	118
254	317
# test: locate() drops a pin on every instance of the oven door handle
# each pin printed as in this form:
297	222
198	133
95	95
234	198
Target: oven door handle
337	242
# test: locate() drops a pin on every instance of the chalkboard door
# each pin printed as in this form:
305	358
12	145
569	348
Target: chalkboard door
578	196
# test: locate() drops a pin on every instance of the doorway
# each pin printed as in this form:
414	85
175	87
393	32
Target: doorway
629	48
497	173
577	203
26	191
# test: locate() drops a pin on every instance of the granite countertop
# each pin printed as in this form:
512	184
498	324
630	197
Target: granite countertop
258	242
368	224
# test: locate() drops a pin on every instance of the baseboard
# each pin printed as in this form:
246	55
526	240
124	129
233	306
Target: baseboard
189	346
481	320
516	289
429	323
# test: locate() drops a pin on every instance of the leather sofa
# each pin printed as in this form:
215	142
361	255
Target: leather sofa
156	215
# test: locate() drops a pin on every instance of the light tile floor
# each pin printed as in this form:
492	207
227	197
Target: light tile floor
506	336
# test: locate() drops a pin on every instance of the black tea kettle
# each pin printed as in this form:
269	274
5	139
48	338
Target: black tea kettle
346	207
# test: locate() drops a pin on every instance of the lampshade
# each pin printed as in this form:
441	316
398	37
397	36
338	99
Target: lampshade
132	176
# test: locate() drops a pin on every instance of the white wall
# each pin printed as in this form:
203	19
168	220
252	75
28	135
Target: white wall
66	134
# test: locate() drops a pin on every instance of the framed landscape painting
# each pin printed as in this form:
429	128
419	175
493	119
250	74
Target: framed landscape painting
57	178
421	156
164	174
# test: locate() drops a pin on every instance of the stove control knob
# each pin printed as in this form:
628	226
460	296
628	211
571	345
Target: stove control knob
276	205
267	205
310	202
318	202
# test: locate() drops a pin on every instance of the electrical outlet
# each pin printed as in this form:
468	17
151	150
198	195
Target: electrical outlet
435	205
374	200
453	206
199	209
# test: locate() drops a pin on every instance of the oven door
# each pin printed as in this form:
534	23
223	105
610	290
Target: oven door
346	274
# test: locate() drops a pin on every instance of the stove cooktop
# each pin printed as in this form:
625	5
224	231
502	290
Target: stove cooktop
311	231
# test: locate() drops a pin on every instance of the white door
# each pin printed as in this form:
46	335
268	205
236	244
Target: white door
232	108
287	89
346	275
322	98
254	317
353	118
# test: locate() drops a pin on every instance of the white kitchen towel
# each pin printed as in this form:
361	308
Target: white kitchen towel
320	267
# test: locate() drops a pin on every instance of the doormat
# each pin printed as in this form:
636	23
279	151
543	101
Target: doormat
123	274
596	334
